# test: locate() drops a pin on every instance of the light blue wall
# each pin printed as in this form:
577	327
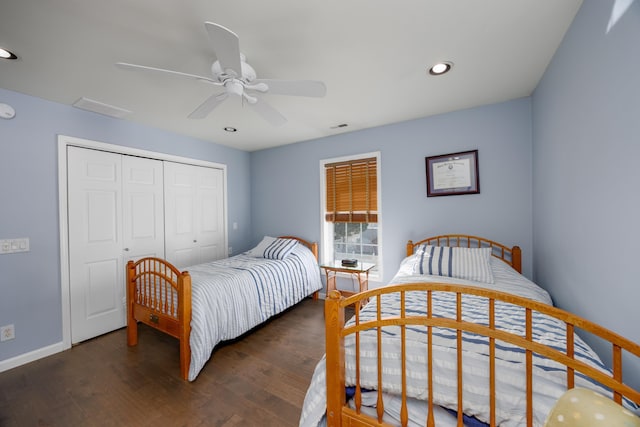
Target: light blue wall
285	181
30	282
586	157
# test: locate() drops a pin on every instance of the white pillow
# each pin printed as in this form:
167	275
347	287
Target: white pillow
462	263
408	265
280	248
258	251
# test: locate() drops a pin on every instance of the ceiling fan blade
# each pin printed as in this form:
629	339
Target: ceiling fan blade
294	87
134	67
208	106
226	45
268	113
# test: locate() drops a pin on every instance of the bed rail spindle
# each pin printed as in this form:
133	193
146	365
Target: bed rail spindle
156	287
358	395
529	362
379	402
144	284
617	371
492	364
404	416
154	280
163	302
570	353
430	419
168	295
459	358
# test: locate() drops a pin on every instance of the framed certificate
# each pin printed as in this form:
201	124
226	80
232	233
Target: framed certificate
452	174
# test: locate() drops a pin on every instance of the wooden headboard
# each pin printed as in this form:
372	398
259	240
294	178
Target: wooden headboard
512	256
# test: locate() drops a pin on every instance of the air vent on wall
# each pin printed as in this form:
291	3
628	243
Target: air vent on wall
100	108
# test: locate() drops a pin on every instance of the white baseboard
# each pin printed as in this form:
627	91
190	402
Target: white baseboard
32	356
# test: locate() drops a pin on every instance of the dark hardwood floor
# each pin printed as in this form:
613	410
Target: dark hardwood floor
258	380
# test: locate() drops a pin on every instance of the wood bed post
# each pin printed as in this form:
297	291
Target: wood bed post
184	316
410	248
334	321
132	323
314	250
516	258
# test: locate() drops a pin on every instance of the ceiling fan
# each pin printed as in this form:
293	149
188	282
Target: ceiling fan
238	78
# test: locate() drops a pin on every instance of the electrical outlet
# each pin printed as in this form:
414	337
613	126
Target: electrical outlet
7	333
230	250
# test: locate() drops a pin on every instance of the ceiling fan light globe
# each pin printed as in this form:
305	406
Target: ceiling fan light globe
234	86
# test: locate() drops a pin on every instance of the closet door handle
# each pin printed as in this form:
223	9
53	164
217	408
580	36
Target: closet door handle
195	241
126	249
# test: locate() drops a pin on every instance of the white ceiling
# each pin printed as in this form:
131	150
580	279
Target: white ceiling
371	54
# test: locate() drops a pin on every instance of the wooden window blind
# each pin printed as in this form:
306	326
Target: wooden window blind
352	191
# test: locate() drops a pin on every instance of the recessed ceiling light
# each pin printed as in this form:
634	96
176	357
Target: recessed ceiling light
230	129
440	68
5	54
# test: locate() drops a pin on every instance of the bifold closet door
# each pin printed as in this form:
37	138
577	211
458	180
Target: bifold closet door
115	208
194	214
96	269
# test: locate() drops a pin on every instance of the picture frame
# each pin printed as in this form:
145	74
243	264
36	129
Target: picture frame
453	174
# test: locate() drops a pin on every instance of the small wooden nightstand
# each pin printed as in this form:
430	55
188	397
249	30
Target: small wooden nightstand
360	271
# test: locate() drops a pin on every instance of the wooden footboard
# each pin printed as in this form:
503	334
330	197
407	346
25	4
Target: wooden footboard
159	295
338	413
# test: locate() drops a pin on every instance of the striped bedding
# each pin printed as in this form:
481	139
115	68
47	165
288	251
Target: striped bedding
549	378
231	296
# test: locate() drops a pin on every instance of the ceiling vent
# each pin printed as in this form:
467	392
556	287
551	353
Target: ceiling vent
101	108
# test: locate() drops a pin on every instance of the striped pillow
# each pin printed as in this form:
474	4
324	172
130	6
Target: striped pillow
280	248
462	263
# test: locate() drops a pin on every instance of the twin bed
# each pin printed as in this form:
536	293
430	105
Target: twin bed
219	300
459	337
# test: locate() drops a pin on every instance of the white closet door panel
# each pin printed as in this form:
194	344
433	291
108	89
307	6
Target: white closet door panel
101	298
143	200
186	257
142	216
185	215
194	214
180	221
210	214
101	215
96	268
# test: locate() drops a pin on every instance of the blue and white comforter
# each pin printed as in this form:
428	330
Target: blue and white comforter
549	378
233	295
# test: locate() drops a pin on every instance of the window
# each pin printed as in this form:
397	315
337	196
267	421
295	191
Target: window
351	227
